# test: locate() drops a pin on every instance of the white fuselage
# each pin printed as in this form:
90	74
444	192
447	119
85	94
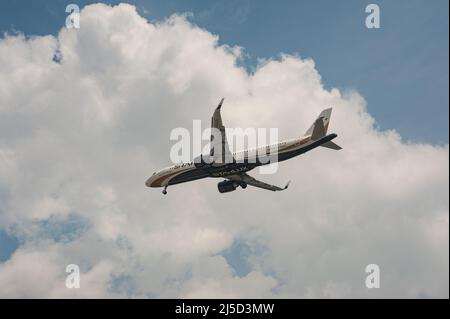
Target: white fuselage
245	160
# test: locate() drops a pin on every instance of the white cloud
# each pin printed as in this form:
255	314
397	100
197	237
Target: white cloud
81	137
34	273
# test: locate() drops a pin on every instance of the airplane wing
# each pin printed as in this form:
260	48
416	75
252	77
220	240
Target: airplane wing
220	152
254	182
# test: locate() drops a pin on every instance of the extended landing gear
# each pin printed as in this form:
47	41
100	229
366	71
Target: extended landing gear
165	190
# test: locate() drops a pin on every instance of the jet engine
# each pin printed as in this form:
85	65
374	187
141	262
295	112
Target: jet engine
227	186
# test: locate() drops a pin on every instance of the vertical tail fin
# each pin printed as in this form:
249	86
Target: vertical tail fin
319	129
320	126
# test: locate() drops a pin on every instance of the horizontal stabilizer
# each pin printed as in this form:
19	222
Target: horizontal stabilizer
331	145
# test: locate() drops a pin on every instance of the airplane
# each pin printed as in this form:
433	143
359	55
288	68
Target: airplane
234	170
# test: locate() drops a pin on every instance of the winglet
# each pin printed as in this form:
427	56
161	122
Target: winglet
287	185
220	104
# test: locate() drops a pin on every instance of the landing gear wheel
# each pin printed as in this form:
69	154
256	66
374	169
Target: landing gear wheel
164	190
244	185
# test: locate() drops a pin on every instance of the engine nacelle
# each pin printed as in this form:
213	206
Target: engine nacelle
227	186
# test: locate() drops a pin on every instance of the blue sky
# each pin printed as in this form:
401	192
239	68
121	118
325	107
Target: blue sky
401	69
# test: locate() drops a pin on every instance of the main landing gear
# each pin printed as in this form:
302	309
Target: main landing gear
165	190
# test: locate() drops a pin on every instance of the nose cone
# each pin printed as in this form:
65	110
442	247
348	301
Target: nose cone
149	182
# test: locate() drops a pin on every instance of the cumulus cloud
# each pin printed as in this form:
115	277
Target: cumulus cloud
79	136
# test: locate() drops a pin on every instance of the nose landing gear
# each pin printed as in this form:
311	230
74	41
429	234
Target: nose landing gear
165	190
